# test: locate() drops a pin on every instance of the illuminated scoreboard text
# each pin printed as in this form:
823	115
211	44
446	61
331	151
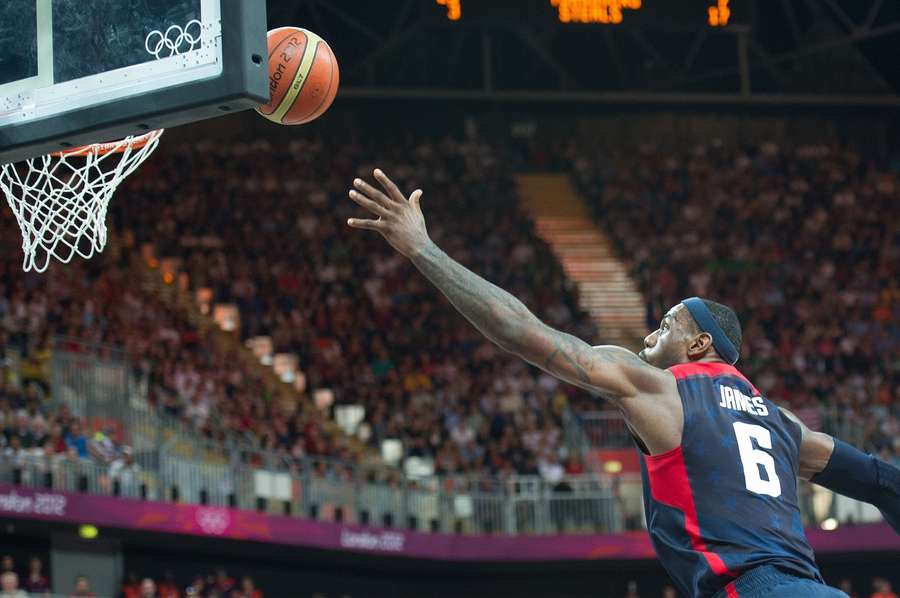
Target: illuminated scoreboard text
712	13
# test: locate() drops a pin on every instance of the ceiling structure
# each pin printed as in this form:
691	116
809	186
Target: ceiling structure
816	52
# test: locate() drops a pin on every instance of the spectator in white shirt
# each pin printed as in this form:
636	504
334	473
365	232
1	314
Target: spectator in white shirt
9	586
126	471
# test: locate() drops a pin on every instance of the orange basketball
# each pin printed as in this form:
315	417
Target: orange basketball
303	76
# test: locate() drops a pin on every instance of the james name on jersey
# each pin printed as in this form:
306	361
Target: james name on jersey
732	398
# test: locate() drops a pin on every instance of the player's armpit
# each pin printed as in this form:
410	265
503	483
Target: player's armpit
612	372
815	448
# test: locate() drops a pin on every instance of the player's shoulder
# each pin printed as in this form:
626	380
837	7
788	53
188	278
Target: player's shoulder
791	420
651	379
654	411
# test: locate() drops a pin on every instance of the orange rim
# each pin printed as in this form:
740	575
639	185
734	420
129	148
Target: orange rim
111	147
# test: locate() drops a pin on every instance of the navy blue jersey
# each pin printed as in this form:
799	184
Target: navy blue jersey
725	501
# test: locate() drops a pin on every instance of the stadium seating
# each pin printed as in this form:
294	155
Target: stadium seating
269	237
273	243
342	301
797	239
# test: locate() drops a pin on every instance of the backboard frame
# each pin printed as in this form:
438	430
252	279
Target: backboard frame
242	84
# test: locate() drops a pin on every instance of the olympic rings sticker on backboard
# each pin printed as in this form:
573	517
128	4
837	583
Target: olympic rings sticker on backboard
163	45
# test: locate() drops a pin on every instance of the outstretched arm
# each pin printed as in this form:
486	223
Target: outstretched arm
836	465
613	372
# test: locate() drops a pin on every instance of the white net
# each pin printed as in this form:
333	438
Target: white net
60	199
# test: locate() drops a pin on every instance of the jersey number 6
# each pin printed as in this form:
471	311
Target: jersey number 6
754	458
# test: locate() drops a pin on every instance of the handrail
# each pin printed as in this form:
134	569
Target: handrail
175	464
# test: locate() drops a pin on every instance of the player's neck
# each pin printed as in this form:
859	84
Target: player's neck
707	359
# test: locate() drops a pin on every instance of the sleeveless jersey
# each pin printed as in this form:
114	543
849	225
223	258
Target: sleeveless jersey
725	501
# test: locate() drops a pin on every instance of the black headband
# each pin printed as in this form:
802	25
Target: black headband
708	324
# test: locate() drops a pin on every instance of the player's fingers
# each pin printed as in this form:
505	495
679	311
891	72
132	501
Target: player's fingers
416	199
372	193
366	224
392	189
374	207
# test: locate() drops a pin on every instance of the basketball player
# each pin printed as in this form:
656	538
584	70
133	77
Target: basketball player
720	462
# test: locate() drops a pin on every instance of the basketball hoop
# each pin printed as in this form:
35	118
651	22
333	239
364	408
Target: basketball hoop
60	199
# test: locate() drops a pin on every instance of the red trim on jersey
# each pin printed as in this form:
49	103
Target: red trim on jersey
711	369
732	591
669	485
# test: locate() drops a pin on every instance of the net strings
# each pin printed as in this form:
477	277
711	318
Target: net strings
61	205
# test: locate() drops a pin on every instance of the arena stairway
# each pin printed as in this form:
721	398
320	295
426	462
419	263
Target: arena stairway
606	291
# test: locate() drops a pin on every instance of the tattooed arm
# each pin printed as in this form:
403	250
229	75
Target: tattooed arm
613	372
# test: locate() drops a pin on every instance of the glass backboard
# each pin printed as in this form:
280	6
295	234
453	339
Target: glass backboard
77	71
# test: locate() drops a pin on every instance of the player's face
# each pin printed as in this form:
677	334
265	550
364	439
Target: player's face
666	346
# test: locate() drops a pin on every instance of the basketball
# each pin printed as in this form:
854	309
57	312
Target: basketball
303	76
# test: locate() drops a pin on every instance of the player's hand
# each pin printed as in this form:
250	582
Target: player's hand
400	220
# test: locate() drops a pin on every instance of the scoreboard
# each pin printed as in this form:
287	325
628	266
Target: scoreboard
685	13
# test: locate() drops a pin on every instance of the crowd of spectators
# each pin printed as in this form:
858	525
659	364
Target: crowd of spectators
35	583
218	584
798	240
270	236
72	302
801	241
96	302
273	241
38	440
31	582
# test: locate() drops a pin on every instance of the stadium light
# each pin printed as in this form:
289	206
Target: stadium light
830	524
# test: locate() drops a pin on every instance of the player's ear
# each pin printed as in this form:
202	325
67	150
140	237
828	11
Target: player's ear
699	344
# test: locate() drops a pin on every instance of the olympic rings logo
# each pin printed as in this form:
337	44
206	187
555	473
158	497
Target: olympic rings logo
212	520
163	45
